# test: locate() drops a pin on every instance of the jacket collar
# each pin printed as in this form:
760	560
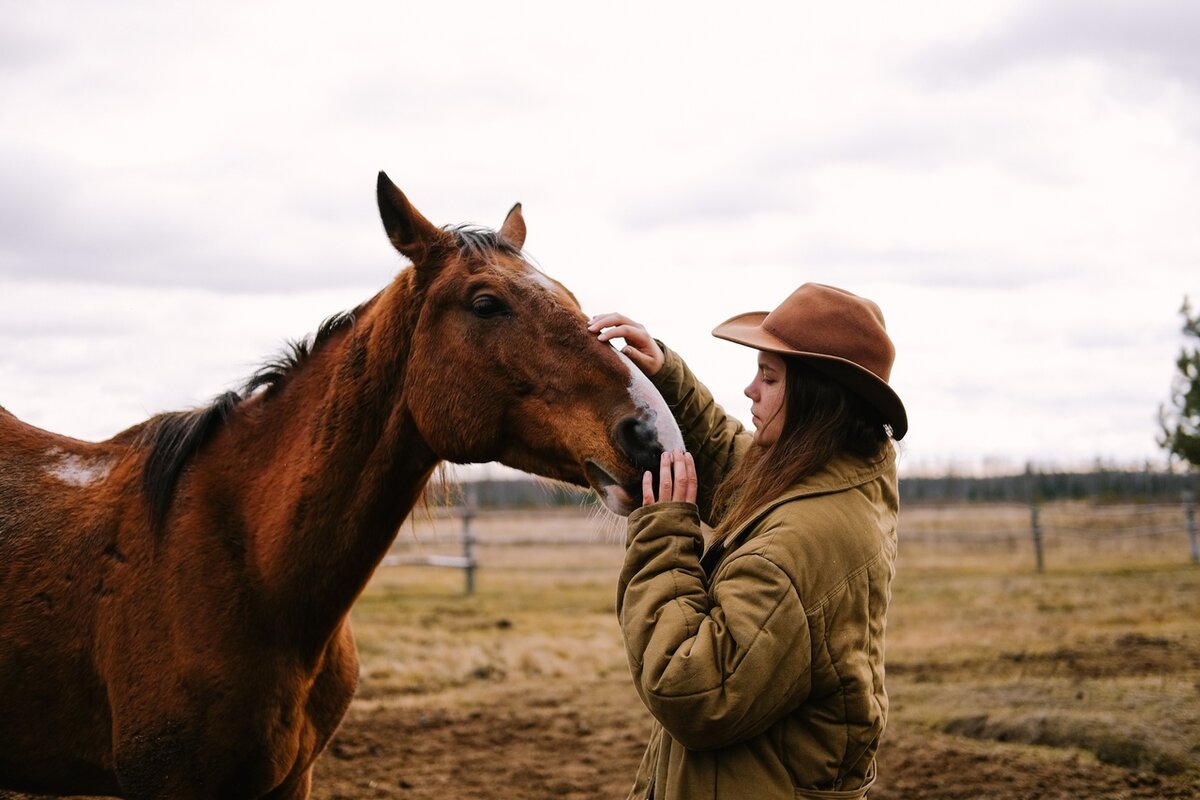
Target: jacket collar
842	473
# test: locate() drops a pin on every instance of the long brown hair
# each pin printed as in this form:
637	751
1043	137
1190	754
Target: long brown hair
821	420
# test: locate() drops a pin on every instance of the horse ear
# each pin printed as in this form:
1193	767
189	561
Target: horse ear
411	233
513	228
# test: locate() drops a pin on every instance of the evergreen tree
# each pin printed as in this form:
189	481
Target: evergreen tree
1180	419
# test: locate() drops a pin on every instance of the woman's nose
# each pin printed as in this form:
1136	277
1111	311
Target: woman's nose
749	391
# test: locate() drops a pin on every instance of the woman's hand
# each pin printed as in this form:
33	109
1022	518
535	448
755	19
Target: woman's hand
676	480
640	346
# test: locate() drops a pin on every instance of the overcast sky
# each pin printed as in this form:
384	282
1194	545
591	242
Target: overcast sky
1017	184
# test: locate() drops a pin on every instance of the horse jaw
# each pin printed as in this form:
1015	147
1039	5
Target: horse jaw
617	500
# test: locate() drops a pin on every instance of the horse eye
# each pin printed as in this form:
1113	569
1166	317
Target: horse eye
486	306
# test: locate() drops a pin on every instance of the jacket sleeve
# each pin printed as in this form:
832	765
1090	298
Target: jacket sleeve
713	670
716	440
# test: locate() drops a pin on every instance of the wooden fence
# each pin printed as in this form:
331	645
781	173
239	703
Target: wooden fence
1035	533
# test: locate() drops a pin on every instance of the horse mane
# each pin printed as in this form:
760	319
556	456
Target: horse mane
174	438
296	352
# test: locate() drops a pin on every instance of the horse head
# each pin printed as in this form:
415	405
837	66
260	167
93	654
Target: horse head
502	366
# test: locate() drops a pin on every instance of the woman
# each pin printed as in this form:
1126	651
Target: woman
761	656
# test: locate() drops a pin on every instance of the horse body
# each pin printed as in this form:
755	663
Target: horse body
174	601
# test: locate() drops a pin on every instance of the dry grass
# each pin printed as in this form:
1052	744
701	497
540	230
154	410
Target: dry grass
1080	682
1100	655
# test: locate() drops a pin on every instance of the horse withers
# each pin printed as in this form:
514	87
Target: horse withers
174	601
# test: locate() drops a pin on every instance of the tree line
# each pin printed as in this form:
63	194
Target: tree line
1099	485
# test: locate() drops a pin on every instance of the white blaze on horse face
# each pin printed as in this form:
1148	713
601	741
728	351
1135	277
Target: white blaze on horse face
542	279
640	388
641	392
644	394
75	470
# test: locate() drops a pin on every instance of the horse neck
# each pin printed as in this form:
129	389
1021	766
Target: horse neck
344	465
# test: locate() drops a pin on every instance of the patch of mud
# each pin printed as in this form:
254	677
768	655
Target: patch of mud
535	750
1126	655
930	766
1109	743
550	749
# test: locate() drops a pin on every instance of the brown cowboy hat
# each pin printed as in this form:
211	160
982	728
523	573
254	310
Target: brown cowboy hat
837	332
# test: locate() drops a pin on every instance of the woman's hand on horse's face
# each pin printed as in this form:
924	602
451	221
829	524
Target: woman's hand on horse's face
676	480
640	346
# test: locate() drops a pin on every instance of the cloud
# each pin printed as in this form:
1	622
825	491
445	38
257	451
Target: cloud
158	227
1157	37
20	51
183	189
725	203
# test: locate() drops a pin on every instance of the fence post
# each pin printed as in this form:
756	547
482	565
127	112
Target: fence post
468	538
1034	524
1189	513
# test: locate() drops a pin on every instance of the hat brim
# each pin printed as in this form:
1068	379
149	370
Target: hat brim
746	329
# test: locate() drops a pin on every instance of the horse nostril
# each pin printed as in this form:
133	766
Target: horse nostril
638	439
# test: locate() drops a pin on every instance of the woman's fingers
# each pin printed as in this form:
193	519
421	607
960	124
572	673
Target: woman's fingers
677	480
687	487
635	334
678	477
684	477
608	320
640	346
643	361
664	476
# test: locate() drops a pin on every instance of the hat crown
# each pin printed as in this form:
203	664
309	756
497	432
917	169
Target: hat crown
834	331
825	320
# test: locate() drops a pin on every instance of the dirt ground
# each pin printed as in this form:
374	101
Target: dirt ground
1005	684
530	742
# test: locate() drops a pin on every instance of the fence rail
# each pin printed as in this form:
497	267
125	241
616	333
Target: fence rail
1048	525
1048	530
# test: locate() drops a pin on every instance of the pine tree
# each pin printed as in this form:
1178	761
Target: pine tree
1180	419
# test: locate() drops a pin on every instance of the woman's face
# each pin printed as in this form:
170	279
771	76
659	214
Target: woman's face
766	393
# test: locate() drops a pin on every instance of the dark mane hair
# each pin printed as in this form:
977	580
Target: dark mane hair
296	352
174	438
480	242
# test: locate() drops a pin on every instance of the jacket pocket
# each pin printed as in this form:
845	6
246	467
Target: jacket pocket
839	794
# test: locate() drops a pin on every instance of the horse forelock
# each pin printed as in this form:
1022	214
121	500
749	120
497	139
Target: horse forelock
474	241
481	249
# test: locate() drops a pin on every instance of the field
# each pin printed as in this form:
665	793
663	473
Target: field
1081	682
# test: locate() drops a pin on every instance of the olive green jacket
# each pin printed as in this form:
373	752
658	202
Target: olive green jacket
765	673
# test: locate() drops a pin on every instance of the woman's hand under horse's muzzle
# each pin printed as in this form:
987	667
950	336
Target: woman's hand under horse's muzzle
677	481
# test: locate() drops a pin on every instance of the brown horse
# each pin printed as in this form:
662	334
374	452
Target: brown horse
174	601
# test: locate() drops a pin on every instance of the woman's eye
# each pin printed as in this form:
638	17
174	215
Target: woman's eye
487	306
